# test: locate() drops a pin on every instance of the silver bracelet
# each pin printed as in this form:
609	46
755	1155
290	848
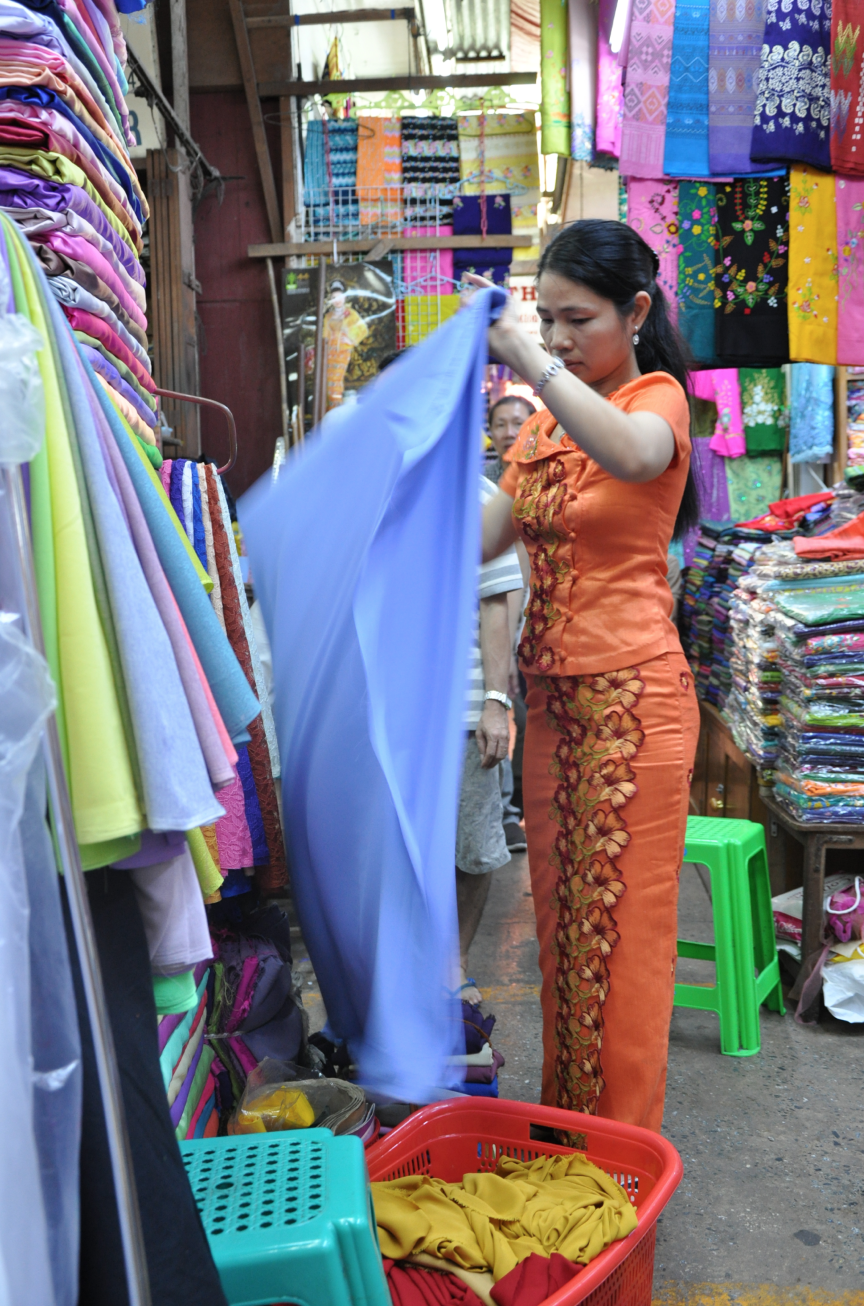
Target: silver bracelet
498	697
552	370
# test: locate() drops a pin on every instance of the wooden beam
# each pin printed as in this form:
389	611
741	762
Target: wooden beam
401	243
336	16
366	85
265	166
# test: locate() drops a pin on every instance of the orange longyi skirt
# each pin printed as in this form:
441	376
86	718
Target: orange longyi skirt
606	777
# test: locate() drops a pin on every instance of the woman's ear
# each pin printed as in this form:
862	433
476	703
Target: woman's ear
641	308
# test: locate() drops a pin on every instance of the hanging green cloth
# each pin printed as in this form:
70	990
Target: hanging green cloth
754	483
763	405
555	102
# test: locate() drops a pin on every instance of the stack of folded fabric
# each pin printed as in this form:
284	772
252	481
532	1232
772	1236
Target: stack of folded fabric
855	417
67	179
819	627
752	708
739	561
476	1069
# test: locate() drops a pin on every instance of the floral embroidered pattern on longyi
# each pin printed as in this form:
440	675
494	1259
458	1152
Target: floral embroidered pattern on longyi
542	492
599	737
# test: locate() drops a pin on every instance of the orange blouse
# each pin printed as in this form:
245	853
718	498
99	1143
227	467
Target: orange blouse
598	546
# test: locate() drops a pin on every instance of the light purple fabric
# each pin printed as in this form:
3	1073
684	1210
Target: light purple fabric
182	1097
609	85
154	848
100	364
219	768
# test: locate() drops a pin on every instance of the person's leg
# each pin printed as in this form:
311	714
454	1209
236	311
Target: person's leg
480	848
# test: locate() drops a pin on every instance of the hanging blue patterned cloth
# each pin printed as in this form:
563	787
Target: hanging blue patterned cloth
793	101
364	555
811	426
686	150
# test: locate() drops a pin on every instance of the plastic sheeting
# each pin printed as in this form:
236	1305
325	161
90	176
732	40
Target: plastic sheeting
364	557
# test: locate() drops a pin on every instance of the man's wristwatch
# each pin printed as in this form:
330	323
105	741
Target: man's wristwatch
499	697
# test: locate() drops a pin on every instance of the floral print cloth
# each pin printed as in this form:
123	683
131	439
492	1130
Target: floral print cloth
751	275
763	403
697	235
811	430
793	102
555	97
652	210
812	267
850	268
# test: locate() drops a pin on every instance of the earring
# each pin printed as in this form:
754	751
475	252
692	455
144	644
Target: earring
635	339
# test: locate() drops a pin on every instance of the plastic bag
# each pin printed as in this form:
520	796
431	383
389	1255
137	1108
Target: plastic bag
22	398
843	990
275	1099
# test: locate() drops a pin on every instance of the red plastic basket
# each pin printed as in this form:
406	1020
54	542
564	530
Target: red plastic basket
450	1139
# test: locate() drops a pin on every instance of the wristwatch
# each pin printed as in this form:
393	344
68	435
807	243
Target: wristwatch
499	697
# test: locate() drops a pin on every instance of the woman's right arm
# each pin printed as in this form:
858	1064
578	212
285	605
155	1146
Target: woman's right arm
499	530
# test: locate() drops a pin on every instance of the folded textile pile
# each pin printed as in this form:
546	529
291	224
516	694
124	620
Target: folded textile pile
532	1282
186	1059
721	557
752	707
492	1222
855	416
815	610
67	180
476	1069
248	838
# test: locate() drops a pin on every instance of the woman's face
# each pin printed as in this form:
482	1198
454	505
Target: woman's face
507	421
588	332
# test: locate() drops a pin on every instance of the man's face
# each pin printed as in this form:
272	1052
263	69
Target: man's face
507	422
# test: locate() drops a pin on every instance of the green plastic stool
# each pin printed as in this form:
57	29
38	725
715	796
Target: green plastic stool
289	1218
744	950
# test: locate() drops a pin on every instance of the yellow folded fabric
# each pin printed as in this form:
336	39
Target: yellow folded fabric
209	875
493	1221
105	804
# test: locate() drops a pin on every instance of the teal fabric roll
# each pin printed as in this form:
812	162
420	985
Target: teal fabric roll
235	700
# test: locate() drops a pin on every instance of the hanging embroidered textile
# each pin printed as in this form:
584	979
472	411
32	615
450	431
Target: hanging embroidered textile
370	634
847	87
555	96
610	108
753	483
793	102
734	48
709	470
686	150
652	210
763	403
582	48
812	266
646	92
751	275
506	154
379	170
330	174
470	213
720	386
697	234
850	269
430	170
811	405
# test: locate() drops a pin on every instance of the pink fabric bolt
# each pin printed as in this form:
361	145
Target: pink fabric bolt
652	210
646	94
721	386
79	248
850	265
232	830
609	85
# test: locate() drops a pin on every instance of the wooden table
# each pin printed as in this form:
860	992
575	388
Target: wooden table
815	839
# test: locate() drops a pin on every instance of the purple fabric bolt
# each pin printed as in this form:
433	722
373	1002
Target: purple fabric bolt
179	1103
709	470
254	819
100	364
176	495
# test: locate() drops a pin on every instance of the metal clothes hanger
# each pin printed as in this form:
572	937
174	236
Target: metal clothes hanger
229	417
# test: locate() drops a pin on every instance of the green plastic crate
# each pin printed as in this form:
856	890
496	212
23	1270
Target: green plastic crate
289	1218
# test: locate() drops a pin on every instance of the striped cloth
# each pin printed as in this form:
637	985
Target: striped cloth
499	576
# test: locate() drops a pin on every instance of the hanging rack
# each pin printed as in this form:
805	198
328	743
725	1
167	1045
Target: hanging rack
119	1150
229	417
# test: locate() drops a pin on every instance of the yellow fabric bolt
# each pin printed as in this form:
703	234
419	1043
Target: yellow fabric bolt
102	789
813	276
209	875
493	1221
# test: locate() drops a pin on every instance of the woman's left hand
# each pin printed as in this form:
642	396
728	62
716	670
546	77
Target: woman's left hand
506	336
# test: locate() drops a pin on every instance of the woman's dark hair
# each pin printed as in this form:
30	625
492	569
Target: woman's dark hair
510	399
614	261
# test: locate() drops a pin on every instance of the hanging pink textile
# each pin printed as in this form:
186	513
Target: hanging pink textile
609	85
646	95
428	272
721	386
652	210
849	195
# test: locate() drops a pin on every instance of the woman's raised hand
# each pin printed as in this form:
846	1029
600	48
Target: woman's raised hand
506	336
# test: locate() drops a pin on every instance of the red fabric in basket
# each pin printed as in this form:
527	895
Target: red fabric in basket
534	1280
412	1286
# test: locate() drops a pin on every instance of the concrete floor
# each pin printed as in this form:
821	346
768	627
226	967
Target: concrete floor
770	1211
771	1198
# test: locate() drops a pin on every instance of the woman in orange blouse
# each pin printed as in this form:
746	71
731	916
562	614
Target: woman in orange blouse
598	484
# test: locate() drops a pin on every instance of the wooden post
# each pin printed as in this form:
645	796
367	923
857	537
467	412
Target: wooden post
259	134
172	293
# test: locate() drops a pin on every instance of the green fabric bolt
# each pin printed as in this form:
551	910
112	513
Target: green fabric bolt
763	404
174	993
555	97
754	483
